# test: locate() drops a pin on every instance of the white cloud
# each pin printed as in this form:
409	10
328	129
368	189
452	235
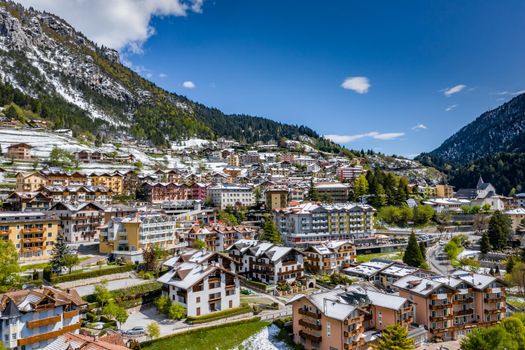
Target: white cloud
453	90
357	84
509	93
419	127
188	84
372	134
119	24
451	107
163	75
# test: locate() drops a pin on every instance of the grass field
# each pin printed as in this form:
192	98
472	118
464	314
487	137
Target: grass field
222	338
388	255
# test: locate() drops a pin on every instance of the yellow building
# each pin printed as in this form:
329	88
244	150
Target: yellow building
128	237
444	191
33	233
29	182
233	160
276	198
114	182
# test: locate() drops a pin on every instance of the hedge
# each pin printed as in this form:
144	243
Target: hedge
218	315
256	284
190	331
91	274
133	296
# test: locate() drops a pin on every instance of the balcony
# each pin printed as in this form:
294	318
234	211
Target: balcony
353	332
495	311
463	301
31	249
298	270
439	306
312	337
464	312
441	318
310	314
48	335
5	232
33	230
356	319
33	239
310	325
494	300
43	322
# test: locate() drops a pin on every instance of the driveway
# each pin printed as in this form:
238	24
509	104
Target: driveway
149	314
112	285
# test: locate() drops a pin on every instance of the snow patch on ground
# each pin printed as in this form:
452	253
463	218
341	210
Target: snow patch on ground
189	143
265	339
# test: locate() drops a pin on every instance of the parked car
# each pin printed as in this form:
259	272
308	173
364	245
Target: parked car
138	330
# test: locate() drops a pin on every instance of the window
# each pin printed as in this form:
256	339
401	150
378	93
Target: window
198	299
328	328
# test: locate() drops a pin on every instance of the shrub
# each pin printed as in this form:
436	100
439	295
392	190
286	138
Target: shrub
219	314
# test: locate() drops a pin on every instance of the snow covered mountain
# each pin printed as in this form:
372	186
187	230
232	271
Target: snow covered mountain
70	81
499	130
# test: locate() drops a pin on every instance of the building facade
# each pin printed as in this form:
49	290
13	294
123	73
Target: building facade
225	195
32	319
311	223
33	233
329	257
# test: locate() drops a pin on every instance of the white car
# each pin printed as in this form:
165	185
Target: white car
139	330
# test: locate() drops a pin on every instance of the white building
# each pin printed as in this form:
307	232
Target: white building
79	222
201	286
32	319
225	195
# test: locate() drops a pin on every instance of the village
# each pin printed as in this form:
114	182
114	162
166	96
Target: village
137	245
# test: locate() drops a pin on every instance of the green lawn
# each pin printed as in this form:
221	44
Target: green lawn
223	338
387	255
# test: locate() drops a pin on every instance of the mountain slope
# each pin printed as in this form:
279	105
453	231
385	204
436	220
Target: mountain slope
499	130
60	75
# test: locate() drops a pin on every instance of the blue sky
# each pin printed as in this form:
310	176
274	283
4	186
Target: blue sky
415	71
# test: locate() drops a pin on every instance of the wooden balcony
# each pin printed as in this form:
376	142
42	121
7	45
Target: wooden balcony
33	239
464	312
312	337
33	230
48	335
32	249
354	345
353	332
298	270
441	318
494	300
43	322
5	232
495	311
70	314
356	319
310	325
309	313
439	306
463	301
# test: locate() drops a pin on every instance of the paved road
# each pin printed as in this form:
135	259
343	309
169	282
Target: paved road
112	285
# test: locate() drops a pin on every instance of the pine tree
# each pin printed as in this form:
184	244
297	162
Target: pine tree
423	250
360	187
497	270
60	251
313	195
412	254
270	231
484	243
499	230
394	337
491	272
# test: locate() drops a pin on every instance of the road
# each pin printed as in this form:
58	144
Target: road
443	266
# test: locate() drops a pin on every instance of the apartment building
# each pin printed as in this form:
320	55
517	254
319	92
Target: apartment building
444	191
171	192
114	182
329	257
32	319
19	151
452	306
266	262
32	233
219	237
128	237
201	287
225	195
78	194
200	256
27	201
277	197
30	182
382	273
336	191
233	160
64	178
346	318
312	223
79	222
349	173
